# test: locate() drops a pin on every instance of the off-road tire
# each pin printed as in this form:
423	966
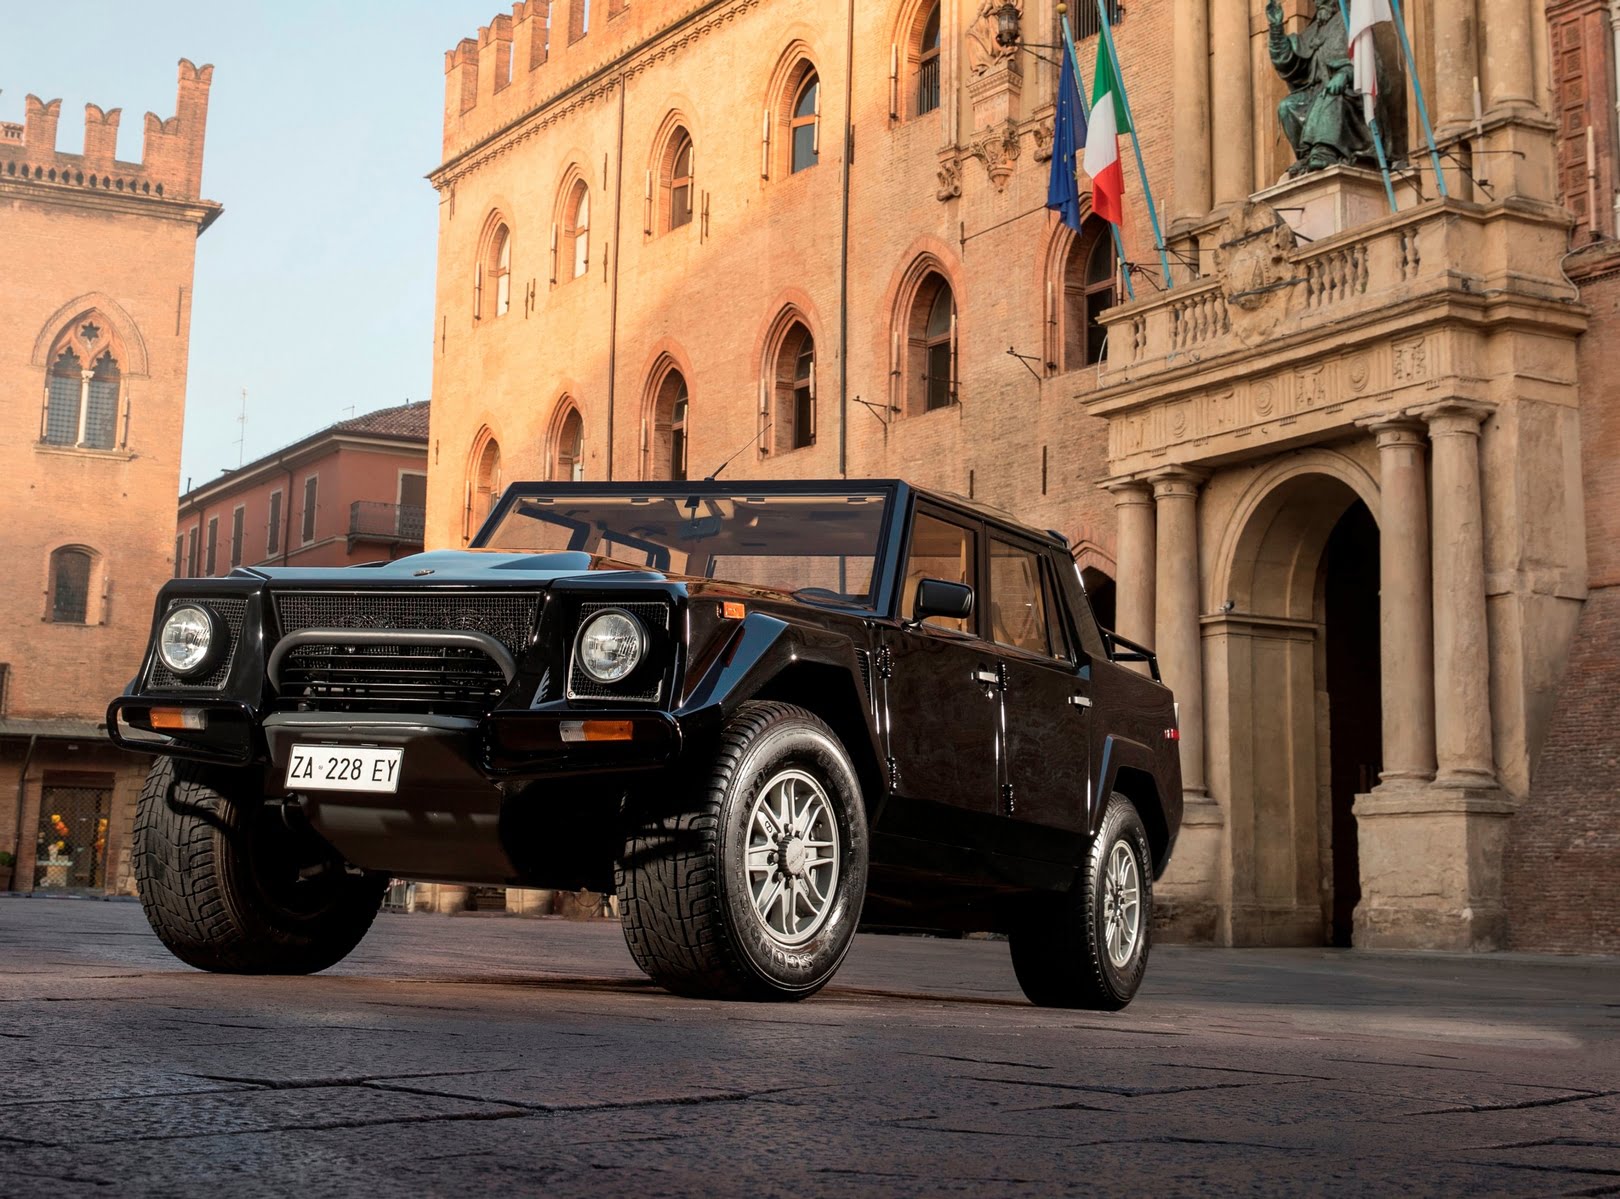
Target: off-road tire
1058	948
219	877
686	907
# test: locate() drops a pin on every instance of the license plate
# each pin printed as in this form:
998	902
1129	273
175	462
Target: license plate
343	768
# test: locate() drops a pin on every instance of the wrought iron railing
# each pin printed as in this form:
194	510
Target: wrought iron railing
403	522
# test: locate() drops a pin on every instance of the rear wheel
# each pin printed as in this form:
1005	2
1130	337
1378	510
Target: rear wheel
1089	948
748	882
235	885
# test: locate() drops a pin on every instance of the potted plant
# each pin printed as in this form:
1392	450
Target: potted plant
8	862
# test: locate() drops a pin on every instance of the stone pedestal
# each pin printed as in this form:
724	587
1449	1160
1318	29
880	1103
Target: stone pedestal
527	901
1187	900
1325	203
440	897
1431	868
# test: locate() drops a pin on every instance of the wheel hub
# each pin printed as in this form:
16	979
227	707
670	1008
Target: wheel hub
793	856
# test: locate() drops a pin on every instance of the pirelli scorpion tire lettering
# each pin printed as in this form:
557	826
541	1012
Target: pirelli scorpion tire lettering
1089	948
233	885
748	881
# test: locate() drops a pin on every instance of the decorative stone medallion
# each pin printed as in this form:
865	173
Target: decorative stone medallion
1253	264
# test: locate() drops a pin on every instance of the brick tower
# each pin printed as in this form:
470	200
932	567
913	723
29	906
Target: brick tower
95	323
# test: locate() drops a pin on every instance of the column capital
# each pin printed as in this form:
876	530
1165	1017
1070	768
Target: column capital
1455	417
1395	429
1127	492
1177	482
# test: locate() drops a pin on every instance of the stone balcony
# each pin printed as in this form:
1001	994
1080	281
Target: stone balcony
1290	340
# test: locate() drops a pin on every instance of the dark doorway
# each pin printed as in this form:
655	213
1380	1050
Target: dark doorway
1355	711
1100	591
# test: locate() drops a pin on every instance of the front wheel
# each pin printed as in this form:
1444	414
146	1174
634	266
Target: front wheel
1089	948
748	883
234	885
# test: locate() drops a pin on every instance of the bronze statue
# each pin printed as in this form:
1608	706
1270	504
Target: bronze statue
1322	114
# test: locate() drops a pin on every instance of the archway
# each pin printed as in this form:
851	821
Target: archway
1295	728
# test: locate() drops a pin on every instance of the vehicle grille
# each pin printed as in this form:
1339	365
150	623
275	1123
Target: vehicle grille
443	680
233	612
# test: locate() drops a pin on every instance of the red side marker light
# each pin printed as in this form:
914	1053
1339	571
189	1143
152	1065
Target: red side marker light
732	610
1172	734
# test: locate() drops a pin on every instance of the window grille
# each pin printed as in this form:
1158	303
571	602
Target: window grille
70	586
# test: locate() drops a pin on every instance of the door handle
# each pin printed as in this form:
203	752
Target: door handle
988	677
1080	701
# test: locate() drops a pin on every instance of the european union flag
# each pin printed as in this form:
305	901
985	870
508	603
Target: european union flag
1068	143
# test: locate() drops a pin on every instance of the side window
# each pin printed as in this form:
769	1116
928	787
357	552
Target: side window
939	550
1019	609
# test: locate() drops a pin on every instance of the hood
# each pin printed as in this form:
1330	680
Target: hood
459	566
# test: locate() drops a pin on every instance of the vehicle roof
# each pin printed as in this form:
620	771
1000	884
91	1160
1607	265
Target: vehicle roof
897	487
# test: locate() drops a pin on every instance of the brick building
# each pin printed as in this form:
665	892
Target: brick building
1351	476
95	322
353	492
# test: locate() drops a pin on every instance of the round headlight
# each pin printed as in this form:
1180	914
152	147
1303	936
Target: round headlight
611	644
188	640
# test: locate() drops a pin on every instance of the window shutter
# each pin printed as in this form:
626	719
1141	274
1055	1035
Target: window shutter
478	291
815	126
950	388
812	401
765	147
649	221
553	253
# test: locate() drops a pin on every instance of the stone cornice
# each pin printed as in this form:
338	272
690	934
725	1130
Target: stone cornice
201	213
597	84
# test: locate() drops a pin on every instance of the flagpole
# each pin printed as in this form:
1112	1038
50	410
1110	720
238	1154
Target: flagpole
1417	90
1136	143
1085	111
1372	121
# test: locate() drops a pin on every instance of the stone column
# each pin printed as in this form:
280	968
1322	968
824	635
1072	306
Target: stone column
1508	64
1190	110
1232	97
1462	659
1178	632
1134	589
1456	63
1406	631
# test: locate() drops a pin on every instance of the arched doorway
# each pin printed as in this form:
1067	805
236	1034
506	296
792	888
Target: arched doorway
1295	724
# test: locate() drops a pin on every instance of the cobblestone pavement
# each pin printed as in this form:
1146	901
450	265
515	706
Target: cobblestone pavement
467	1055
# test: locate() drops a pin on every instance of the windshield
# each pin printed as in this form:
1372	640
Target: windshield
818	547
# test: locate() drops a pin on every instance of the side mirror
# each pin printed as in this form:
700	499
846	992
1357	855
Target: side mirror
936	597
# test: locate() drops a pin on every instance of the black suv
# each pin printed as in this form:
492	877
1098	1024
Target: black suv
763	711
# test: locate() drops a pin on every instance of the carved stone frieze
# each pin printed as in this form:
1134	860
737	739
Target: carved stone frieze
950	180
984	53
1270	404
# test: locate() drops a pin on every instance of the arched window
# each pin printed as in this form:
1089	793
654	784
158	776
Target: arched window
795	417
486	485
925	346
81	404
569	460
667	446
1088	291
805	126
69	601
62	405
678	206
577	229
927	96
503	271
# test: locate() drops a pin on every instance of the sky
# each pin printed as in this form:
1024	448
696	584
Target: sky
314	289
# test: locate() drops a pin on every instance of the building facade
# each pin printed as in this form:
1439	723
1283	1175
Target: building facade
1343	474
353	492
95	319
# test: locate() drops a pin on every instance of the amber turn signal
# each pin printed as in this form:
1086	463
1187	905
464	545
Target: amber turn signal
192	719
598	730
732	610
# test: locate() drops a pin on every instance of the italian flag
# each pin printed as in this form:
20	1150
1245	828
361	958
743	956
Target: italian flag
1108	121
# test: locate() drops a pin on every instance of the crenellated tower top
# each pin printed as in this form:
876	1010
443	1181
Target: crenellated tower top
541	49
171	153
